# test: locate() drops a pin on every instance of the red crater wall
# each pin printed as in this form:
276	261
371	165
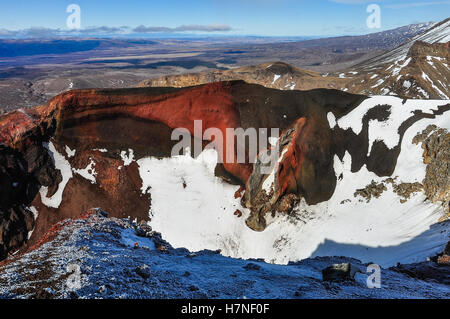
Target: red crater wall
143	120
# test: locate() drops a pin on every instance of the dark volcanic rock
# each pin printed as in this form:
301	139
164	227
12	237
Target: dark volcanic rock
436	154
143	271
428	271
21	174
252	266
340	272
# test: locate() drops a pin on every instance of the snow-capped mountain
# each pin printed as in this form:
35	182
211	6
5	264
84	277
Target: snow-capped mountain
437	33
423	73
418	68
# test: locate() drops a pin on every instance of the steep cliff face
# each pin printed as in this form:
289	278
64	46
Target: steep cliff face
25	166
111	149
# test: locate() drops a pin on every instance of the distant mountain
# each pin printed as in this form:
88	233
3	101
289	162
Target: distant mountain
386	40
392	38
419	68
436	33
34	46
276	75
422	73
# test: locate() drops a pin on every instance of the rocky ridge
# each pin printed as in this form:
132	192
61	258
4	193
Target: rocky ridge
276	75
99	257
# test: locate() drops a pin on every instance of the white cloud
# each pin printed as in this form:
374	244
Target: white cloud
415	4
42	32
185	28
356	1
394	4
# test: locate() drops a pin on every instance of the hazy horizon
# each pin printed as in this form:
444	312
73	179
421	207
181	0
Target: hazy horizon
198	18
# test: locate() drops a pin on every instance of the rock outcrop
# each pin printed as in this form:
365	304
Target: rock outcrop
403	190
341	272
275	189
435	143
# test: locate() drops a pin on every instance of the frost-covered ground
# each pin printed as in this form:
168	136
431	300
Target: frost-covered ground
97	258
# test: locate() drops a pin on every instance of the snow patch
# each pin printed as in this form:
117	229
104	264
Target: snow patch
331	119
34	211
423	92
427	78
66	171
275	78
379	82
407	84
88	173
70	153
270	180
399	66
127	158
399	113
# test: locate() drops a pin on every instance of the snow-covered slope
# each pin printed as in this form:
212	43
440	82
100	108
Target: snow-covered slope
419	68
438	33
194	209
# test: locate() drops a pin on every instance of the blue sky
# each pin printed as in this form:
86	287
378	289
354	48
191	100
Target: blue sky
234	17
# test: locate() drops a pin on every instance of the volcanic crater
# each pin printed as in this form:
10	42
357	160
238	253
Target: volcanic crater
81	150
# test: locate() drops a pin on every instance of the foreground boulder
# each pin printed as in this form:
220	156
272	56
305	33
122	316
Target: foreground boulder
340	272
